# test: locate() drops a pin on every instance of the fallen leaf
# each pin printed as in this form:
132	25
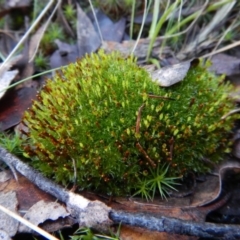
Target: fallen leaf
111	31
88	39
95	210
8	223
228	65
65	54
28	195
222	172
173	74
5	176
18	4
4	235
42	211
35	41
13	104
126	47
5	80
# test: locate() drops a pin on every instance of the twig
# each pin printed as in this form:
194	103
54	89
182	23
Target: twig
177	226
230	113
139	118
223	49
75	176
171	147
139	147
141	28
156	96
96	20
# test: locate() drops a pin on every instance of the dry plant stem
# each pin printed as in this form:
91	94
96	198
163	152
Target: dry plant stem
141	150
28	32
27	223
96	20
138	145
230	113
177	226
139	118
76	203
155	96
171	147
223	49
141	29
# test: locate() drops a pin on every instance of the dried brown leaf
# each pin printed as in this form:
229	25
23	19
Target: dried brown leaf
42	211
5	79
7	223
88	39
173	74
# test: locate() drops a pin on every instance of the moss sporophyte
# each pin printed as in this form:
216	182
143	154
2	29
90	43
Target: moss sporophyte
105	120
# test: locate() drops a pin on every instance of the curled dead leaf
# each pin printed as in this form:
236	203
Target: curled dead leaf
173	74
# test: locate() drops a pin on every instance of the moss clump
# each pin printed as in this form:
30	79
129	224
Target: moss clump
105	116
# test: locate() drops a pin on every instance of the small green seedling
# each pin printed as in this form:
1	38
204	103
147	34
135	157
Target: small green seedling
88	234
12	143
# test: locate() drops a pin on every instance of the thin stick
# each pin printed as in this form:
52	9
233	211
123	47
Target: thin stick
171	147
142	25
75	176
221	49
27	223
141	150
139	118
95	17
156	96
132	19
230	113
138	145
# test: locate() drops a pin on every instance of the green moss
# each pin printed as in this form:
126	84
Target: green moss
87	116
41	62
54	31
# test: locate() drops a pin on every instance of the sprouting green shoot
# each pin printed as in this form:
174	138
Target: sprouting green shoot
88	234
157	184
11	142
